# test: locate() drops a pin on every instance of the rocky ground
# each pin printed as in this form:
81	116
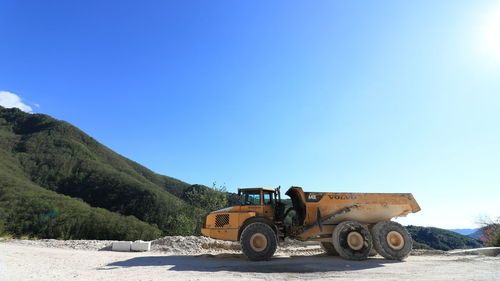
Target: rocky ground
182	245
202	258
188	245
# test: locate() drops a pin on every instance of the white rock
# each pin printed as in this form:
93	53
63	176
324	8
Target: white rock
121	246
141	246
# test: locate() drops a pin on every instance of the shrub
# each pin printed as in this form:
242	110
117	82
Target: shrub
490	231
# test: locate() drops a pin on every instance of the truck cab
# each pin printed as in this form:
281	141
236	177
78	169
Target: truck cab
256	205
258	200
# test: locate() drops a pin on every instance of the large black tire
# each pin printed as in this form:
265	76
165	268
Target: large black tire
352	240
258	241
392	240
329	248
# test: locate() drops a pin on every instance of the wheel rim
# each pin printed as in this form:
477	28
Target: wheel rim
258	242
355	240
395	240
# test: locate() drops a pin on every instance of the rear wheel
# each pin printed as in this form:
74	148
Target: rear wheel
391	240
329	248
258	241
352	240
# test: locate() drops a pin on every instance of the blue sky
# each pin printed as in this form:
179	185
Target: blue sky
362	96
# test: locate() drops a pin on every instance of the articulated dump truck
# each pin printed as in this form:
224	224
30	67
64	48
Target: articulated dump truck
351	225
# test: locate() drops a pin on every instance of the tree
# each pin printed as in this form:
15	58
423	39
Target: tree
490	231
208	199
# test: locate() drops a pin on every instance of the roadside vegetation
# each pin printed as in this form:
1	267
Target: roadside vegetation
490	230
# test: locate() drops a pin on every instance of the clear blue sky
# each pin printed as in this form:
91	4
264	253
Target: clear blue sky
362	96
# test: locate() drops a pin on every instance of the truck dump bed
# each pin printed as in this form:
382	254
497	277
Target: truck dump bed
333	208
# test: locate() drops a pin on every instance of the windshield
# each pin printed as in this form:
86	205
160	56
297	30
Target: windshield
250	198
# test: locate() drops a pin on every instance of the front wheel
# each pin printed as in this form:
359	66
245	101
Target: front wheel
258	241
352	240
391	240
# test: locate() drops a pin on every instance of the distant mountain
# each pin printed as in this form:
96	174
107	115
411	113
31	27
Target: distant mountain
440	239
464	231
58	182
476	234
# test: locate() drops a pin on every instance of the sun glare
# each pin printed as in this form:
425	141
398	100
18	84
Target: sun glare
491	35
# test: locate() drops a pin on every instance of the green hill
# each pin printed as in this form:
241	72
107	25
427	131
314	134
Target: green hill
440	239
58	182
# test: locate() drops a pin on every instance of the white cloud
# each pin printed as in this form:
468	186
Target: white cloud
10	100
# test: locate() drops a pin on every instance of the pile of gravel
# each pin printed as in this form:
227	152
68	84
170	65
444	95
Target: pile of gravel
179	245
90	245
292	247
422	252
188	245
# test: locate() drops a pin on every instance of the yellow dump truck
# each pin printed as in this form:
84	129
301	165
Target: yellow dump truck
351	225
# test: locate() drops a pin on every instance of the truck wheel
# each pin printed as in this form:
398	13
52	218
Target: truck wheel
258	241
391	240
329	248
352	240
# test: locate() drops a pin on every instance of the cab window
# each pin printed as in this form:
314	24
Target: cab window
268	198
250	198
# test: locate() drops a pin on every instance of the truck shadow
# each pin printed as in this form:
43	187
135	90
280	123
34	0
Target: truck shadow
238	263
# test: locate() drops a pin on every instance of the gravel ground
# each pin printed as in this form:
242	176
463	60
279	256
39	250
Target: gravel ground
181	245
189	245
201	258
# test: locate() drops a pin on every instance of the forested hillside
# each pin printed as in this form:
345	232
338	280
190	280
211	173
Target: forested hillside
58	182
440	239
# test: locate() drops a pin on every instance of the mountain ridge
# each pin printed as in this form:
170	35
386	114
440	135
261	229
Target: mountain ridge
440	239
41	151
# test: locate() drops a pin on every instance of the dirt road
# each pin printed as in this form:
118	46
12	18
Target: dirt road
27	262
